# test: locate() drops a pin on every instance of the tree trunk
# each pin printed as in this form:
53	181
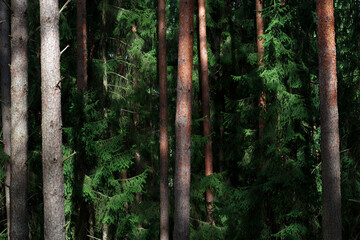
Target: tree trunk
5	96
54	215
81	45
330	156
206	105
19	114
164	163
183	122
261	51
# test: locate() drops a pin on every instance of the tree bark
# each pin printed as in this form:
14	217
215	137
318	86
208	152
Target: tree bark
164	163
206	106
54	215
330	156
183	122
261	52
5	59
81	45
19	114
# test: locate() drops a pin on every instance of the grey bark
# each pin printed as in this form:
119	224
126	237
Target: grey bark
19	129
54	215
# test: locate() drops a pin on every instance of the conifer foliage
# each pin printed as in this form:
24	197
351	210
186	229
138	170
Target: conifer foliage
145	89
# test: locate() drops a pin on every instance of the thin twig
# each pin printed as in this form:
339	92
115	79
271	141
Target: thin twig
7	5
64	49
353	200
64	6
70	156
93	237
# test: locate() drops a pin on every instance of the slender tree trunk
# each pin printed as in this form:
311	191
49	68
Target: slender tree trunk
81	45
5	96
330	156
261	51
54	215
105	233
164	163
183	122
19	114
206	105
103	46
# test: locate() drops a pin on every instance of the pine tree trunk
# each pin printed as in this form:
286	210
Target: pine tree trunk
19	128
183	122
261	51
206	105
54	215
330	156
164	163
81	45
5	96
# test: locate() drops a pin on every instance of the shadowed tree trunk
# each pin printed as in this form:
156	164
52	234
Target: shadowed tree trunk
81	45
183	122
5	95
205	92
19	114
164	165
54	215
330	156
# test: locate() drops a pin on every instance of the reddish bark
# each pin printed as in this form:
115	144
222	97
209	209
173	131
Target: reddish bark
81	45
183	122
19	113
164	164
5	96
261	51
206	105
51	125
330	156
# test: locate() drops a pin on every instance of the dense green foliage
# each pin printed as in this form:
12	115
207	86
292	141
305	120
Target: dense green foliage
274	195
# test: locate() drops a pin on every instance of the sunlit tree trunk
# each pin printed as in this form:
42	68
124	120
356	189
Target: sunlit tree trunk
205	93
261	51
164	189
183	122
19	114
53	187
81	45
5	95
330	156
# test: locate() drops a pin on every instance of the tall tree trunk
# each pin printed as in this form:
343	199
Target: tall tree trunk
206	105
330	156
54	215
5	96
81	45
19	114
261	51
164	143
183	122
